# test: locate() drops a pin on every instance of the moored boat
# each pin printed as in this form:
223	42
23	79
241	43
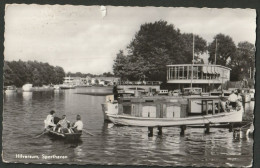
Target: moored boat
252	93
67	86
27	87
227	117
10	89
172	111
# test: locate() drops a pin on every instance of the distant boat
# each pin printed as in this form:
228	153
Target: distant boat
27	88
56	87
67	86
252	93
10	89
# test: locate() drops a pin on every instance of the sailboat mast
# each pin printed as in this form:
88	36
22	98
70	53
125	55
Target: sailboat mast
216	51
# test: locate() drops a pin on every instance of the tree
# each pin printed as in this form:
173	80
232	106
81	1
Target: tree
37	79
153	47
226	49
242	61
200	46
18	73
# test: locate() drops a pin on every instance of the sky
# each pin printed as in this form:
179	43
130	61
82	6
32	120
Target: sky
82	39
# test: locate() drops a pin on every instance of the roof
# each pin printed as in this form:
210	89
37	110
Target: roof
206	65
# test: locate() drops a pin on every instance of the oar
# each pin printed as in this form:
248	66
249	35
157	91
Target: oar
85	131
44	131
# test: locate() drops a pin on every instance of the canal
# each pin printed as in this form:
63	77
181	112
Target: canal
111	145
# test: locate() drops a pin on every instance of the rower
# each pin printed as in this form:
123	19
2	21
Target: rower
49	121
78	125
63	124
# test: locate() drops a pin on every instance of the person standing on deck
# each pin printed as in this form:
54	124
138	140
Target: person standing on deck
49	121
115	92
233	99
239	97
78	125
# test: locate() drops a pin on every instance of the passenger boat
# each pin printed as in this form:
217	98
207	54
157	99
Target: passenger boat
27	87
171	111
67	86
66	136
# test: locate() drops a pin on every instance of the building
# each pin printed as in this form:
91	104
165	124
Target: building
207	77
107	80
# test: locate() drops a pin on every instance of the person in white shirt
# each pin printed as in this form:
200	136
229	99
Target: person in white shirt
78	125
49	121
233	99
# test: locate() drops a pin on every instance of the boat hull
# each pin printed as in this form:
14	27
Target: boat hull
225	117
66	136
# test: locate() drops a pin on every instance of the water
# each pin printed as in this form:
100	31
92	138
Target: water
23	120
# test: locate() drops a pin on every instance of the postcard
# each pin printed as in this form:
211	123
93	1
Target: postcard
115	85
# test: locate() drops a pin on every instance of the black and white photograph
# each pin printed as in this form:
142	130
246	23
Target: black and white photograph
128	85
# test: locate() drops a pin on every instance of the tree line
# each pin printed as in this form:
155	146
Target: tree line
158	44
19	73
84	75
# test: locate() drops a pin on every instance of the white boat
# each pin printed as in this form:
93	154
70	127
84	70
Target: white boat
10	89
170	111
67	86
252	93
225	117
27	88
56	87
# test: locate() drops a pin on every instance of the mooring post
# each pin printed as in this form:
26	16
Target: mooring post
183	128
231	125
207	128
159	130
150	130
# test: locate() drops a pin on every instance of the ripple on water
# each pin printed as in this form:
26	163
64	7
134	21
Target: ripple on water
23	119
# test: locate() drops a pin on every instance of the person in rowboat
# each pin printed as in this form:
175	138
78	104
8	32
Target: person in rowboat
63	125
49	121
78	125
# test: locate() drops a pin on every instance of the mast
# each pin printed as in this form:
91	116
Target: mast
216	51
192	61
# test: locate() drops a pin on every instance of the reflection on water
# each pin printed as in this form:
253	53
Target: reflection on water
23	120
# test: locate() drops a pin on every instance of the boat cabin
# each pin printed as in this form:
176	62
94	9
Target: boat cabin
169	107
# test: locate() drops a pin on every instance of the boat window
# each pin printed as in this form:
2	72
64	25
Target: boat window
126	100
148	100
127	110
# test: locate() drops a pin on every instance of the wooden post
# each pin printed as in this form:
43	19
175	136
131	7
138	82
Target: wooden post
183	128
231	127
150	131
207	128
159	130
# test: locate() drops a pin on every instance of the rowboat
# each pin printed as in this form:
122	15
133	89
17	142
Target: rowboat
65	136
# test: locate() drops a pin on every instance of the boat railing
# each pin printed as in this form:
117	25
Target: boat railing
139	83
